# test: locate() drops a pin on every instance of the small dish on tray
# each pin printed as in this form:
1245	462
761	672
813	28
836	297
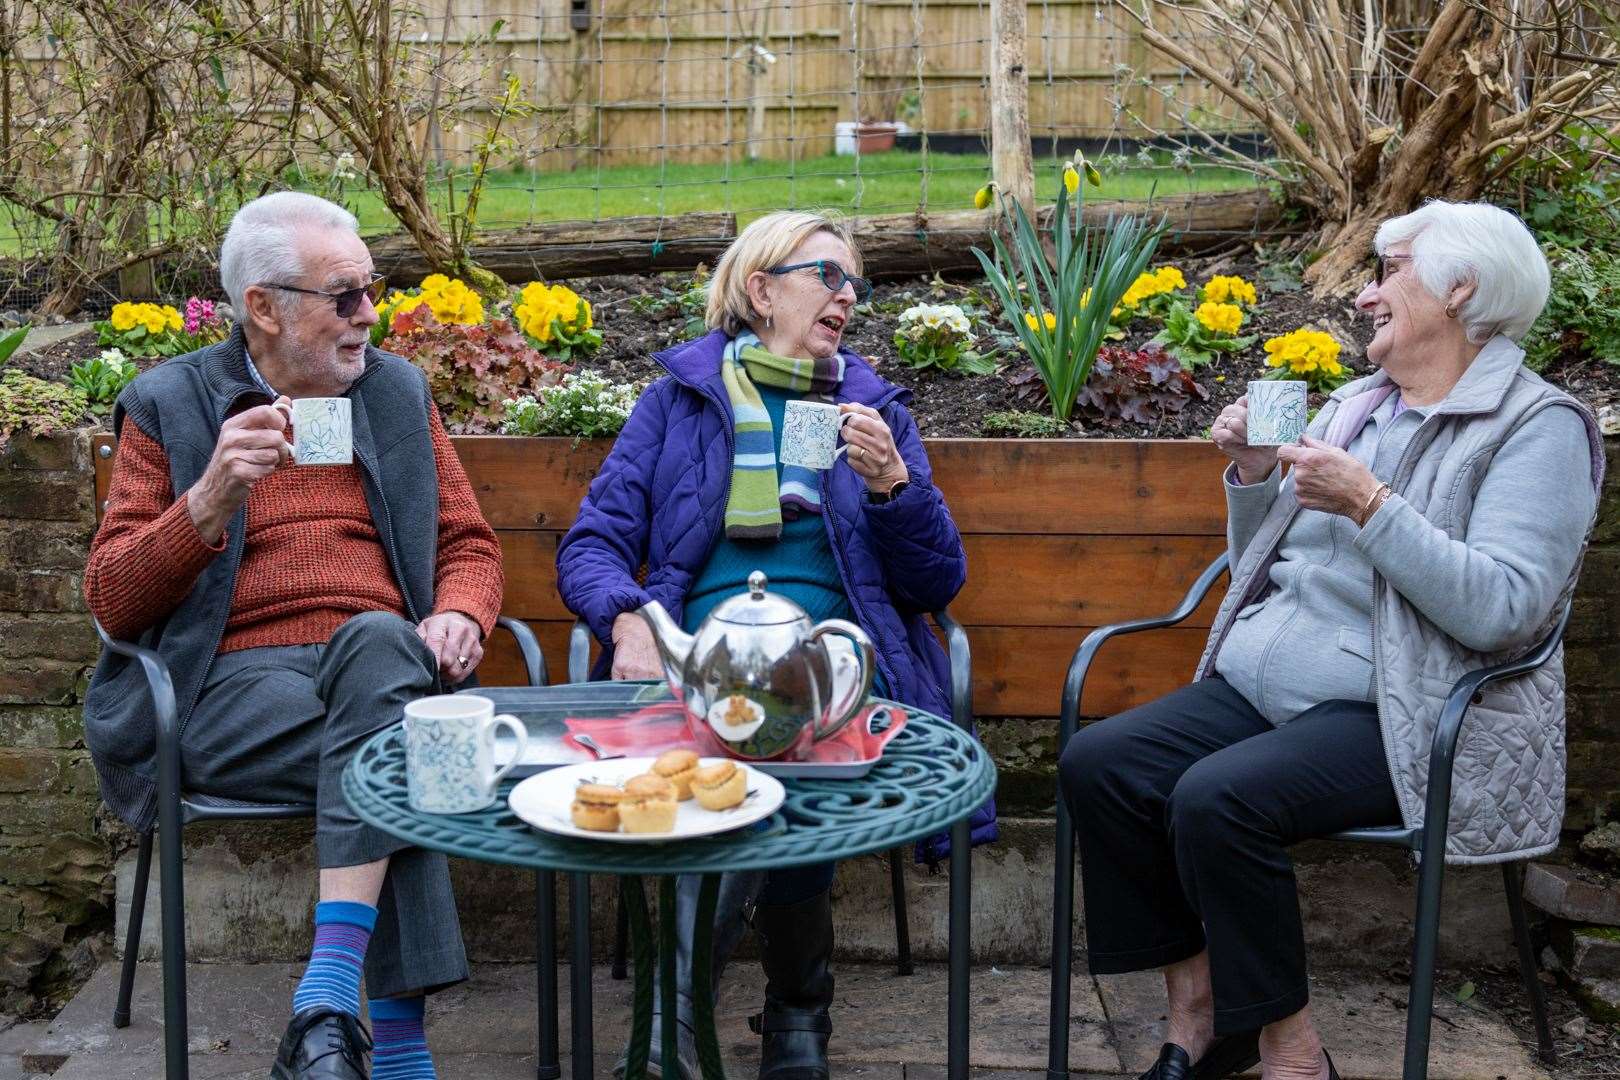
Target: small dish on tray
543	801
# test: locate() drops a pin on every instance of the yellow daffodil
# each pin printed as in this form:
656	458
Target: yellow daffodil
1219	318
1071	178
981	198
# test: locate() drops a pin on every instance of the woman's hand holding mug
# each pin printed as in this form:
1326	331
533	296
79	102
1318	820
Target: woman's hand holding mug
1230	433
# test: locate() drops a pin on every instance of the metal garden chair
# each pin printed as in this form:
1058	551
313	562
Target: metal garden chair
178	808
579	656
1430	837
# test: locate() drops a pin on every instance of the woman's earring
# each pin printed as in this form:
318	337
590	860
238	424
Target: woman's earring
768	323
1451	311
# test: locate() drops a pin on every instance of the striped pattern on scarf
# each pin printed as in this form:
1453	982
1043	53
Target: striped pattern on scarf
759	496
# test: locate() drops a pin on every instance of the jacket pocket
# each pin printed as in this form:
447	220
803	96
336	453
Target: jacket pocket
1357	642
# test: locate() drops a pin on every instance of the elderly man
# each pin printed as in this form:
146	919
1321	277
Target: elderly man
299	607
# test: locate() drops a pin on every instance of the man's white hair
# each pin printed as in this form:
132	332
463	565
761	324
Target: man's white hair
1457	243
261	246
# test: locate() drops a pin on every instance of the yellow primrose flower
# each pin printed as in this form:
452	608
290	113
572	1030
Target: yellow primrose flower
123	317
434	283
1085	300
453	302
1071	178
1169	279
1303	351
1224	289
1220	318
981	198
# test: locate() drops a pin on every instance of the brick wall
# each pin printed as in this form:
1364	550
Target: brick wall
57	849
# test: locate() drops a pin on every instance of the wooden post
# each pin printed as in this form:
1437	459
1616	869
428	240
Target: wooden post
1010	160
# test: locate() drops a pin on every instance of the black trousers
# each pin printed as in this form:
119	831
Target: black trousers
1184	808
280	723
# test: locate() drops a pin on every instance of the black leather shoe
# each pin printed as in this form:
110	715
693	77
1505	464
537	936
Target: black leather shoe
1333	1074
323	1043
1226	1056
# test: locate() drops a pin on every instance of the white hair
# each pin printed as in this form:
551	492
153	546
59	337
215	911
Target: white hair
1457	243
262	243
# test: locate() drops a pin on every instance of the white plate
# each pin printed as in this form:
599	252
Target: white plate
543	800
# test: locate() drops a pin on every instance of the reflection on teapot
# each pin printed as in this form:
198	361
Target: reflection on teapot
760	675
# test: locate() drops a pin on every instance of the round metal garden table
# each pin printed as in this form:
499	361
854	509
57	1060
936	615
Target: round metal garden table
931	777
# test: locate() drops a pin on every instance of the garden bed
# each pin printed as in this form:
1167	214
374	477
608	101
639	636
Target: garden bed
641	314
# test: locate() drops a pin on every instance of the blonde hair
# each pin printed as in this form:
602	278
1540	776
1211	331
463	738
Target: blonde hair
765	243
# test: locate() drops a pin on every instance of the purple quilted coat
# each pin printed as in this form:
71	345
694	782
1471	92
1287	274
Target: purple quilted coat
660	501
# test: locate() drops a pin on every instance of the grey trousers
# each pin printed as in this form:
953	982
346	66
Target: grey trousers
281	723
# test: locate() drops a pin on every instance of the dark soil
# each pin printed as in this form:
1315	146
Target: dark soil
640	315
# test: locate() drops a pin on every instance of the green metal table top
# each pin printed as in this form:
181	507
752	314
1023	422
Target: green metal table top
931	775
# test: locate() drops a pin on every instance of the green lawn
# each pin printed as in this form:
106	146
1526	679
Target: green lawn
887	183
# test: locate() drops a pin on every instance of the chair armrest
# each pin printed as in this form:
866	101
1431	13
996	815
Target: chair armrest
1448	732
961	652
1075	683
161	687
534	661
579	652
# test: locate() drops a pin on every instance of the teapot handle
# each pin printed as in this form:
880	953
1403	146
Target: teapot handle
851	671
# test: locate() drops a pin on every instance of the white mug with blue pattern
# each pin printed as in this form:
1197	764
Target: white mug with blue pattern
450	752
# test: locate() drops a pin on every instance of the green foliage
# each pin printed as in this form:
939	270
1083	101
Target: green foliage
36	407
1061	311
102	378
940	336
1024	425
688	303
1191	342
1582	316
1572	200
473	371
584	405
11	341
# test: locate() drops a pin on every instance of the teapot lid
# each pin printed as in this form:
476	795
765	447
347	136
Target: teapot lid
756	607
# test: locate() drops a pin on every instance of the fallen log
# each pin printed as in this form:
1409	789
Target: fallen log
893	245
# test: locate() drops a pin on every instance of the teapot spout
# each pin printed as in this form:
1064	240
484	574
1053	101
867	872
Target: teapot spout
674	644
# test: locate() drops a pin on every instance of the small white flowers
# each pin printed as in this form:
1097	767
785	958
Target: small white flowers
585	405
916	321
939	335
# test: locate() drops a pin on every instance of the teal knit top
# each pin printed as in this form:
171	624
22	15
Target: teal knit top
800	565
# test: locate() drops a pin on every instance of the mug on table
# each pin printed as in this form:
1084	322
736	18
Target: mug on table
450	752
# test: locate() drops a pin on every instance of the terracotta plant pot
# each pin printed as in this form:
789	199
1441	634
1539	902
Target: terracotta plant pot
874	137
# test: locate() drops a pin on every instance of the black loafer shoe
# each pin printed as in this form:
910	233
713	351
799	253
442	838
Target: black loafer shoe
1226	1056
323	1044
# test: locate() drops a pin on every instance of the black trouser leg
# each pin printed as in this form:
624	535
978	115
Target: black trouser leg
1197	855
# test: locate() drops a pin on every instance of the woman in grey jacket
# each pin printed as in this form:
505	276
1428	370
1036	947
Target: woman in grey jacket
1432	522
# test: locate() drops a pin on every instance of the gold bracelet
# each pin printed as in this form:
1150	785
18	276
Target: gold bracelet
1379	496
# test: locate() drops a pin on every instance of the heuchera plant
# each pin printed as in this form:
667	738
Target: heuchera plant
472	370
1137	386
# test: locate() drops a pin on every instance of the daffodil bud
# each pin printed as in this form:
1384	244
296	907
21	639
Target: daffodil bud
981	198
1071	179
1093	177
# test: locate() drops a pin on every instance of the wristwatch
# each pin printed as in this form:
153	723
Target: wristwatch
893	493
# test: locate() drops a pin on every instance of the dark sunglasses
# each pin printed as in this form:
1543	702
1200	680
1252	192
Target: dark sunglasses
347	302
1381	268
832	275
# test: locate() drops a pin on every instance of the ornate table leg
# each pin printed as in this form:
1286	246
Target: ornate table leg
708	1042
641	950
961	926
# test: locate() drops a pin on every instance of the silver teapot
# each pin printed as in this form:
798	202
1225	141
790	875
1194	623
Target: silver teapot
760	675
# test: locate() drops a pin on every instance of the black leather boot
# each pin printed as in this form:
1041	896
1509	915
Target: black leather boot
796	1024
737	892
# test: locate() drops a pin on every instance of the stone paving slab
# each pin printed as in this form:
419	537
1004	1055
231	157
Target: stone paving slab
1362	1019
887	1027
43	337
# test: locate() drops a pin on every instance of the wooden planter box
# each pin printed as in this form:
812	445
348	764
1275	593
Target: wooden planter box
1062	536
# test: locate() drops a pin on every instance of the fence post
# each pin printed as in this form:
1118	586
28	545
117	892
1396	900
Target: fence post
1010	160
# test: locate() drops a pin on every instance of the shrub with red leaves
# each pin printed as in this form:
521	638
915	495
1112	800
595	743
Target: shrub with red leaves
472	370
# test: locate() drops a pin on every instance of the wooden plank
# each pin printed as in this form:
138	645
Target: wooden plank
1019	671
1035	486
1053	581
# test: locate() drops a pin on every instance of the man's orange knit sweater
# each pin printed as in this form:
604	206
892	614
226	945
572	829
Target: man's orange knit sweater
311	558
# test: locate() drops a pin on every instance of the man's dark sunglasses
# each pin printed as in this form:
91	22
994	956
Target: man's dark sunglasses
1381	269
347	301
832	275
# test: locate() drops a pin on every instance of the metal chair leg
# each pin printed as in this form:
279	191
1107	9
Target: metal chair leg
902	921
621	935
1425	949
1513	880
961	951
547	1065
132	939
172	903
1057	1029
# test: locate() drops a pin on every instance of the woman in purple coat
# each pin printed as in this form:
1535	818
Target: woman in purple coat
869	540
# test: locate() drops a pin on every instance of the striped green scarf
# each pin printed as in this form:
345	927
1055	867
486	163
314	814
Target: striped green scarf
758	495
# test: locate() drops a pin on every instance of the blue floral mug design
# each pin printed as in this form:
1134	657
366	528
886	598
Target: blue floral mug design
450	752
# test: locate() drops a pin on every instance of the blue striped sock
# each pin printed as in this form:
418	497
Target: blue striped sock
399	1047
342	931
